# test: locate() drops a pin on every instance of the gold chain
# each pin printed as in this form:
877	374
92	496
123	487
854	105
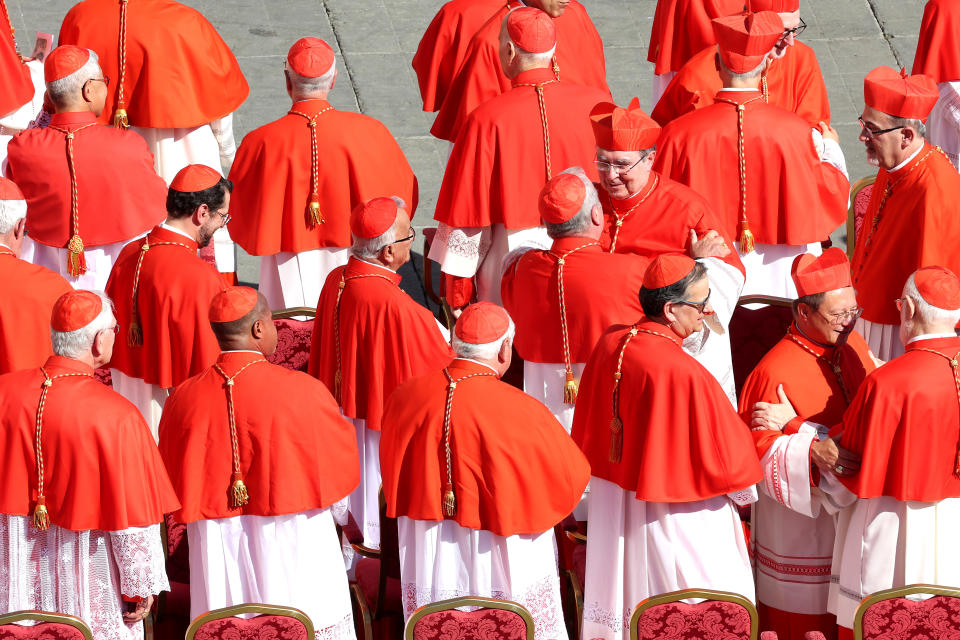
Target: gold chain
622	217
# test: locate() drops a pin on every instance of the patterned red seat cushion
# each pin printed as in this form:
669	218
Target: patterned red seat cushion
178	550
40	631
482	624
709	620
293	344
937	618
265	627
860	203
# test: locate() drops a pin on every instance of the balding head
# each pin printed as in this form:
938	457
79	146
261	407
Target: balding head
253	332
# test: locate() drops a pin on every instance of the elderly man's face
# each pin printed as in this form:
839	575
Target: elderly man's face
884	150
689	315
623	173
833	321
790	22
553	8
403	243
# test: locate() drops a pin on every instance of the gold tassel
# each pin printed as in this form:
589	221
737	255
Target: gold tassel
120	120
746	239
570	389
76	262
238	492
449	504
616	439
41	519
314	209
134	334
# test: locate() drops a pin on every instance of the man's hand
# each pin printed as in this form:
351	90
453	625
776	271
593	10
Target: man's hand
847	462
824	454
828	132
711	245
142	611
767	415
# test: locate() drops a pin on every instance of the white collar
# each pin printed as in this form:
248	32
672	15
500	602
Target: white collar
482	364
931	336
741	89
164	225
375	264
905	162
6	245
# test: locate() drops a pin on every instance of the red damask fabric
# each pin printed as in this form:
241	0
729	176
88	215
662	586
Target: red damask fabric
293	344
483	624
258	628
41	631
709	620
937	618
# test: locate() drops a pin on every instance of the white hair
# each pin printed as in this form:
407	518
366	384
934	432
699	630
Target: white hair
926	311
581	221
304	86
487	351
746	75
535	59
369	248
11	212
69	87
73	344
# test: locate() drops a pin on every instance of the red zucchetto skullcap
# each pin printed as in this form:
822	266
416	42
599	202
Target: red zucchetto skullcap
617	129
939	286
819	274
744	39
531	29
900	95
667	269
482	323
373	218
561	198
75	310
195	177
63	61
9	190
777	6
310	57
232	304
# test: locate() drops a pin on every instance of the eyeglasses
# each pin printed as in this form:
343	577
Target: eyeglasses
604	167
413	234
700	306
105	80
225	218
876	132
842	317
116	328
796	31
899	302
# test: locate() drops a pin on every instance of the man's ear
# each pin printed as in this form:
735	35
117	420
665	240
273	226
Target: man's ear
19	228
256	330
200	214
506	351
668	313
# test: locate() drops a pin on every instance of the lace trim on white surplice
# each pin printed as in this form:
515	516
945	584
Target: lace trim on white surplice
460	250
343	630
139	555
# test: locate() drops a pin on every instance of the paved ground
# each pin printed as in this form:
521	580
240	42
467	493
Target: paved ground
375	41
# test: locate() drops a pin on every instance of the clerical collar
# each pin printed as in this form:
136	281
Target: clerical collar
822	345
932	336
482	364
164	225
375	264
907	161
739	89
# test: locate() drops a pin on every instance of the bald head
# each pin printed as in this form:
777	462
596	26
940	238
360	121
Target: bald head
253	332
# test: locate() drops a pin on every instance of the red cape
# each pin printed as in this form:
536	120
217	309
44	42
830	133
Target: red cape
681	28
101	467
904	422
444	45
593	297
16	87
359	160
296	451
385	339
120	194
515	470
794	83
29	292
173	308
480	77
917	228
682	441
792	197
497	166
179	71
937	54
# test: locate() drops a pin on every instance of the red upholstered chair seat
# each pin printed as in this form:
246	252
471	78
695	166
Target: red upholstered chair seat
483	624
709	620
264	627
368	579
103	375
293	343
41	631
753	332
937	618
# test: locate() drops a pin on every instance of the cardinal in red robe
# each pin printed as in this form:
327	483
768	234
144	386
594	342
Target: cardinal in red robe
576	59
477	474
939	60
29	291
83	484
16	88
297	179
369	336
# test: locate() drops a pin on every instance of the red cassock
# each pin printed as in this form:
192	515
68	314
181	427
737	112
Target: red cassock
682	441
794	83
101	467
296	451
515	470
792	197
498	165
444	45
119	194
174	291
937	55
359	160
179	71
16	88
681	28
593	299
385	339
915	228
28	292
579	57
904	423
658	220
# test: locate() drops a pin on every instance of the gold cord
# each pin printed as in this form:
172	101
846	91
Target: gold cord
120	119
449	497
314	215
238	494
570	385
76	261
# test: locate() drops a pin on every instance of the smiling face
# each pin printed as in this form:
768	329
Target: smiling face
623	173
833	320
688	318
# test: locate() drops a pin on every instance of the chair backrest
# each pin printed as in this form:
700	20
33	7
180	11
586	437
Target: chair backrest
722	614
269	622
891	615
860	193
49	625
493	620
293	337
753	332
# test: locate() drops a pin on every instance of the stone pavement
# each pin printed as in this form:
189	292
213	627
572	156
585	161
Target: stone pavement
375	40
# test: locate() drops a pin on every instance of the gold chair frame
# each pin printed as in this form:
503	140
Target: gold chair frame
685	594
467	601
250	607
292	312
47	616
892	594
855	188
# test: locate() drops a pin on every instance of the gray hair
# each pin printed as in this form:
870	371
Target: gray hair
535	59
11	212
913	123
370	248
927	312
753	74
581	221
304	86
67	88
487	351
73	344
